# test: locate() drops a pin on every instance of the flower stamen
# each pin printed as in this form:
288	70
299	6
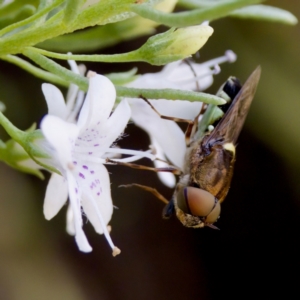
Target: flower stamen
84	149
115	249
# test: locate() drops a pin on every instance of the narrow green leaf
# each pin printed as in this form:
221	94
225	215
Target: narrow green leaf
194	17
72	10
98	37
169	94
265	13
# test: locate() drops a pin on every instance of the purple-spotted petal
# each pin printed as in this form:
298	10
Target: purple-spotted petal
102	136
55	101
96	197
56	195
98	103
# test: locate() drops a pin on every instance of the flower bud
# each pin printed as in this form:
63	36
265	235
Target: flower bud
15	156
174	44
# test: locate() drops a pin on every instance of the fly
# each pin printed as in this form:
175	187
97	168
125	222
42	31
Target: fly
210	156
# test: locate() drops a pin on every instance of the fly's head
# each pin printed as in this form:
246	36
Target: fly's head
196	207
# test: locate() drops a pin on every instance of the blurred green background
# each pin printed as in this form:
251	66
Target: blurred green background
254	253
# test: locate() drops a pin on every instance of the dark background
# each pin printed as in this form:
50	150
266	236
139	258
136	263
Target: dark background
254	254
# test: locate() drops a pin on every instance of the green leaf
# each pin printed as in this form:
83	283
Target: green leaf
72	9
170	94
265	13
100	13
98	37
22	13
194	17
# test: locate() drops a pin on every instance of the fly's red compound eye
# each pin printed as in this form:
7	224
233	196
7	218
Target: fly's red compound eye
200	203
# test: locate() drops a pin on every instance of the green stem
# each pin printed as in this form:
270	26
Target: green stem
82	82
194	17
12	130
37	72
123	57
55	68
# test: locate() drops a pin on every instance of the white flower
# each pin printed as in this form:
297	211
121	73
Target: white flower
166	136
79	152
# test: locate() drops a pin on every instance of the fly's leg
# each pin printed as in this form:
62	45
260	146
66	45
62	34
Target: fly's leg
148	189
165	117
192	128
192	124
168	210
141	167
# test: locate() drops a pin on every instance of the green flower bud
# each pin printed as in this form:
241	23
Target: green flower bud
15	156
174	44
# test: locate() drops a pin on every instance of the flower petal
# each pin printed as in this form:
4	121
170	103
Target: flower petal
178	108
101	137
55	101
116	123
167	133
56	195
98	103
61	135
177	75
70	221
190	76
80	237
166	178
95	185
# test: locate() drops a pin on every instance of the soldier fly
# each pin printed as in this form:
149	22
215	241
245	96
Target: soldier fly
209	159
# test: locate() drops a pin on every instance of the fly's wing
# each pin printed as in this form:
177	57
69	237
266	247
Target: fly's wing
230	126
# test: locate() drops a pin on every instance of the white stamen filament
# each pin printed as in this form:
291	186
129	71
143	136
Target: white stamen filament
83	150
208	73
92	159
104	227
128	159
229	56
216	69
